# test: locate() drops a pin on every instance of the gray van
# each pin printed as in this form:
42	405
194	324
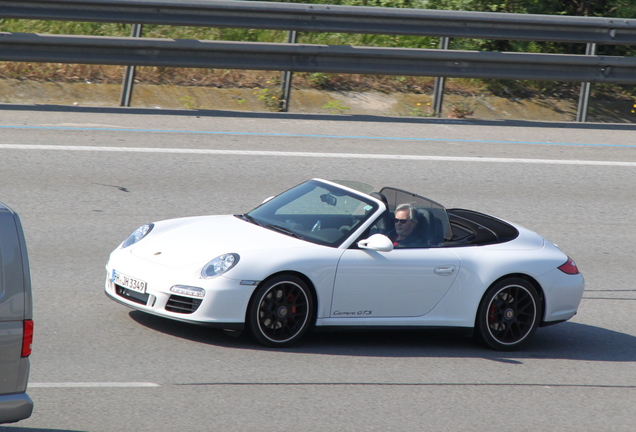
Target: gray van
16	319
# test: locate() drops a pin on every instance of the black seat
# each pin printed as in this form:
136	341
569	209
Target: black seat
423	228
437	228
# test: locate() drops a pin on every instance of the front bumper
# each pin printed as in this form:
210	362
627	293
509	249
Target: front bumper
223	306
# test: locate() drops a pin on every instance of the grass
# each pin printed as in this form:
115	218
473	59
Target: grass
335	107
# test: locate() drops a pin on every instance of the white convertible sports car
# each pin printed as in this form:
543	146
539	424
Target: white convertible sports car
335	254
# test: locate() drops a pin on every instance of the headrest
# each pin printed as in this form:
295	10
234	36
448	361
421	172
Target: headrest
423	215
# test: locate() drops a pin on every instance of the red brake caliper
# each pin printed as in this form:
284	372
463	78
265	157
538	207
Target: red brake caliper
491	313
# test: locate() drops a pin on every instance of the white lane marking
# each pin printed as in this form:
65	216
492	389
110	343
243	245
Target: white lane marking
91	384
313	155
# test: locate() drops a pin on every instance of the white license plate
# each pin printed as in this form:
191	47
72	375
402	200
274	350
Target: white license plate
129	282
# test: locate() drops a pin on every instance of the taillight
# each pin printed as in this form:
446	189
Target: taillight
569	267
27	338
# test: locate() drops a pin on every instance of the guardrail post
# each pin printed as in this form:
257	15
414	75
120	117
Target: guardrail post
292	38
129	75
438	90
584	97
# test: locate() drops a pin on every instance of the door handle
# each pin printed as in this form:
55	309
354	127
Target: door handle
445	270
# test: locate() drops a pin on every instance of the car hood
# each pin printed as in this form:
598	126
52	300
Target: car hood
190	241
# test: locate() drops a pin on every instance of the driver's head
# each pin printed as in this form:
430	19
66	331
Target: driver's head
405	220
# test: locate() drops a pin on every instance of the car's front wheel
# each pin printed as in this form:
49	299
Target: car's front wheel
509	314
281	311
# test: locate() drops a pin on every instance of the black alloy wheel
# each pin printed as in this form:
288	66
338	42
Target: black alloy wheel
509	314
281	311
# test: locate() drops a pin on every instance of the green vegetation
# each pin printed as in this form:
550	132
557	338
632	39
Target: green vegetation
270	97
462	109
335	107
188	102
419	111
268	82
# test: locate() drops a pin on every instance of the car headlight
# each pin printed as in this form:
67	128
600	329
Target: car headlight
219	265
139	233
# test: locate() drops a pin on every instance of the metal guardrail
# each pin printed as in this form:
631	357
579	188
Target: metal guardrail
322	58
331	18
312	58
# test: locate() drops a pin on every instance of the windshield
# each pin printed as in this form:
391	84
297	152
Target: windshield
315	211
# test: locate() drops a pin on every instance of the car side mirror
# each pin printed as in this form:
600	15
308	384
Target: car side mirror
377	242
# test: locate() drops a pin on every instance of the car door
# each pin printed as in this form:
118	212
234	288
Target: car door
398	283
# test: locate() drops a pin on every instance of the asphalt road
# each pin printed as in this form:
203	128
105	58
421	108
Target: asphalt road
82	179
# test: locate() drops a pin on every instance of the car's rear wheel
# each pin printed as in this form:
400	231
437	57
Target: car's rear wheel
509	314
281	311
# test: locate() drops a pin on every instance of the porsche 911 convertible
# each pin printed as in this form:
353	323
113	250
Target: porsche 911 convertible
335	254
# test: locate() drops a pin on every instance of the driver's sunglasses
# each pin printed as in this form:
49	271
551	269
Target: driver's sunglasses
402	221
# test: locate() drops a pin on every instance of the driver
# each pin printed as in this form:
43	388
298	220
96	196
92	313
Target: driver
404	234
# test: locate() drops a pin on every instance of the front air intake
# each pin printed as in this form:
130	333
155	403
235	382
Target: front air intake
183	305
